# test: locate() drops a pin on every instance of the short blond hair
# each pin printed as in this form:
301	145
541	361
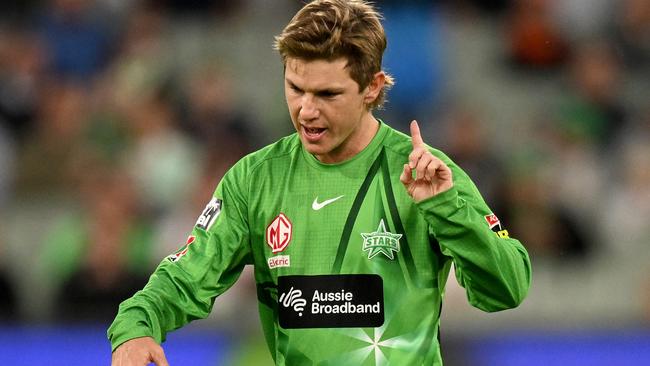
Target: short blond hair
332	29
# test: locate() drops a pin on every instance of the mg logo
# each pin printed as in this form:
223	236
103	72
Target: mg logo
278	233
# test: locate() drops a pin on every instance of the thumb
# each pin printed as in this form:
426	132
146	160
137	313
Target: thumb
158	357
406	177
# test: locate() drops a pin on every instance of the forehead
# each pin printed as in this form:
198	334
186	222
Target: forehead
318	73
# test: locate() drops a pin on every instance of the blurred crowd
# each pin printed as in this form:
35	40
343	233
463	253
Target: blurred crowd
118	118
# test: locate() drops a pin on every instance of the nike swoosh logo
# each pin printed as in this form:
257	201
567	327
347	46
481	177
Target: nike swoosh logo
317	206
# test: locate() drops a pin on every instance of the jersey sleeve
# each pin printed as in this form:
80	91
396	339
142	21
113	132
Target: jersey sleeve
493	268
185	284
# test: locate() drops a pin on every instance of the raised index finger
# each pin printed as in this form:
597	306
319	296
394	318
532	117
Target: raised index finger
416	137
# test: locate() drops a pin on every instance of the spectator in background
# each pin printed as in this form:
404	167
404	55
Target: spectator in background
107	132
552	233
22	60
623	223
171	227
593	106
142	62
77	38
211	115
534	39
571	174
468	143
8	310
102	251
625	220
8	297
580	20
587	119
45	162
163	161
631	29
7	167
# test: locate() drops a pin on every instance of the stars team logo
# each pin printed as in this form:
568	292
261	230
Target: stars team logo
381	241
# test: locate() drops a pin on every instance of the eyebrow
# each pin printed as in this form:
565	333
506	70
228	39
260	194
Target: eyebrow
324	91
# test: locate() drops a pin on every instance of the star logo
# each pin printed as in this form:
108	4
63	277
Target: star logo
381	241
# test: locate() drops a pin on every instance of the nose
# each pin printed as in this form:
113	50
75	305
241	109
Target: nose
308	108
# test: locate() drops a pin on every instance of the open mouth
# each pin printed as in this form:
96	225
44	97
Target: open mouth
313	133
313	130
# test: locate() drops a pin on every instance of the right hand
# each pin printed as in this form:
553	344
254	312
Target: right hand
433	176
139	352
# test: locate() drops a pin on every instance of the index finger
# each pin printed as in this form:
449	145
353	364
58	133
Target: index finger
416	137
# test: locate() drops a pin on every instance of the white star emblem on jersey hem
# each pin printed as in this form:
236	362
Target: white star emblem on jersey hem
318	205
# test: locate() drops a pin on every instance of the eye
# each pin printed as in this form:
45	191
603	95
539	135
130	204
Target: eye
295	88
328	94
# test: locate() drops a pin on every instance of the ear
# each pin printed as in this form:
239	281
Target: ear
376	85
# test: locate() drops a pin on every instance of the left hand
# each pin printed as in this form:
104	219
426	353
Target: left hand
432	175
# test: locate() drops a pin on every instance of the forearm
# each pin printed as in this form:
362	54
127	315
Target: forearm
185	284
495	271
167	302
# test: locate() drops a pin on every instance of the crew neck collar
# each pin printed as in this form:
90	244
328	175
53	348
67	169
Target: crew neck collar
369	150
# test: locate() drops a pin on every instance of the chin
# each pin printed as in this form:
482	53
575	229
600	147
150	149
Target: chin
315	149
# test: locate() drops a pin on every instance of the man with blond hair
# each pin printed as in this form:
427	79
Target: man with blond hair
351	226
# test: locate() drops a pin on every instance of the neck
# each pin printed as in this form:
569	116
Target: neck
367	130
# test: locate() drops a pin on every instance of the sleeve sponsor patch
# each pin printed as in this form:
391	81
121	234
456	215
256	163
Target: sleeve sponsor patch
493	222
178	255
495	225
209	214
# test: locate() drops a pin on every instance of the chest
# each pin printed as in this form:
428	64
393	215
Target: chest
313	222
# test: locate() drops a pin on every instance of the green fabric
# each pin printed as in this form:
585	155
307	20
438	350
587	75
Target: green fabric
283	178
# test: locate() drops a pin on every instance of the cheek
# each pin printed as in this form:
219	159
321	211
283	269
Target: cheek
293	106
340	114
348	113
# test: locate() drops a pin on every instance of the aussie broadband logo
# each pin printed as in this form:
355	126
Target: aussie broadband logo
293	299
331	301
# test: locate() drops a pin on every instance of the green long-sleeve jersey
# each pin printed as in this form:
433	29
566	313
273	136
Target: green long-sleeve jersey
349	269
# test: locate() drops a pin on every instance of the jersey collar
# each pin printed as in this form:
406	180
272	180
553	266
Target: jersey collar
363	157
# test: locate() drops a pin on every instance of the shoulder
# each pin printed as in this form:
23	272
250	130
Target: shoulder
242	176
281	149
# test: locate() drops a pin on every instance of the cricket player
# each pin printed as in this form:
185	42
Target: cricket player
351	226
